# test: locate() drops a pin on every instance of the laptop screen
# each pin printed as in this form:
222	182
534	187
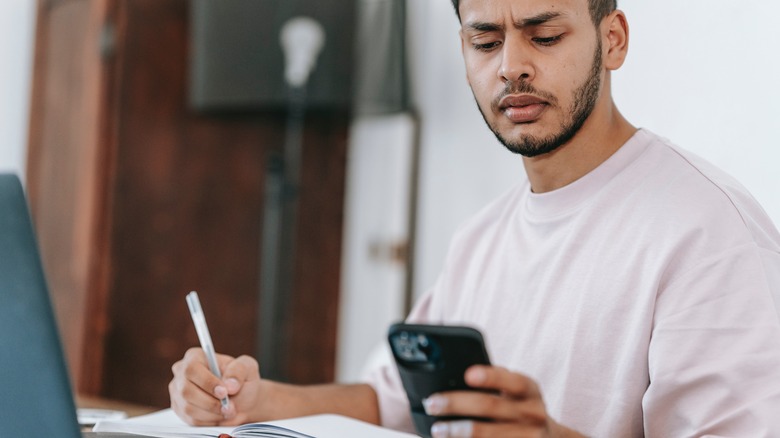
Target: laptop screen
36	397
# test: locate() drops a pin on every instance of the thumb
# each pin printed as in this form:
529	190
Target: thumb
239	371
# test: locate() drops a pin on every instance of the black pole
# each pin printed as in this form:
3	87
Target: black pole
277	257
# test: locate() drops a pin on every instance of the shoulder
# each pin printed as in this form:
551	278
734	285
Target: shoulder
689	191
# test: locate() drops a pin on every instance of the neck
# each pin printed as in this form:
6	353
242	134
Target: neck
605	131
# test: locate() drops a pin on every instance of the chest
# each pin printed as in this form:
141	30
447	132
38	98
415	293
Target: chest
546	293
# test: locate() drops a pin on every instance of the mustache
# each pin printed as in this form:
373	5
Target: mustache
522	87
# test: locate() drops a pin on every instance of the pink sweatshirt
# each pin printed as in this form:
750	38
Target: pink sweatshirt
643	298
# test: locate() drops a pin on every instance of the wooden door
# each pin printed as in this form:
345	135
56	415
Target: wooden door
177	201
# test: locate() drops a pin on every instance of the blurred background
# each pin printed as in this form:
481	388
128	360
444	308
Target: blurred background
148	133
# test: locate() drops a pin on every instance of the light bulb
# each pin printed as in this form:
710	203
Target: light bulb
302	39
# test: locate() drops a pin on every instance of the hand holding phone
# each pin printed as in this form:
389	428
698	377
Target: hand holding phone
434	359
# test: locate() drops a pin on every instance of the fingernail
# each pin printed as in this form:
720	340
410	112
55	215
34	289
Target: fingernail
460	429
220	391
434	404
452	429
440	430
477	375
232	385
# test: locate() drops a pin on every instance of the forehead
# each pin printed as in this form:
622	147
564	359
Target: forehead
497	11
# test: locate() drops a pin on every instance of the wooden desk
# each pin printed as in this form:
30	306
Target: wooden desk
131	409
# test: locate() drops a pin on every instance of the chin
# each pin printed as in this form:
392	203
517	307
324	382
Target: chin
519	132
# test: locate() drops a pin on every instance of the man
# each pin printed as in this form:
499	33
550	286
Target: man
627	288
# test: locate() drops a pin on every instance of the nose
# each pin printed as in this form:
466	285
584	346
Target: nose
516	62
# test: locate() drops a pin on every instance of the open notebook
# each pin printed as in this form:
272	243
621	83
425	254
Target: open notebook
165	424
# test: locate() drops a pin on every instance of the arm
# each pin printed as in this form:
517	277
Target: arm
195	393
714	357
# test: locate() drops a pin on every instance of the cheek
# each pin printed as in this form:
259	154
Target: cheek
566	78
483	93
573	77
478	81
482	78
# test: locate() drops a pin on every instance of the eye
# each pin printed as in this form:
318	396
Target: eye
547	41
486	47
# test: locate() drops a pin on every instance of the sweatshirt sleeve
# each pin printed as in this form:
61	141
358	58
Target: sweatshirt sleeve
384	378
715	348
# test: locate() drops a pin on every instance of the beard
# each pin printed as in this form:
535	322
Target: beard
584	98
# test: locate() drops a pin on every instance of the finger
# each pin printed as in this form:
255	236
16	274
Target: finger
195	384
192	404
238	371
478	429
223	360
482	429
452	429
181	387
194	368
502	380
486	405
195	416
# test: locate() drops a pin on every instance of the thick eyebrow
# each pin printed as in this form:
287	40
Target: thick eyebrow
536	20
482	26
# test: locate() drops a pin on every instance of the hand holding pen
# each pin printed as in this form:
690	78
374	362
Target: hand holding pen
204	337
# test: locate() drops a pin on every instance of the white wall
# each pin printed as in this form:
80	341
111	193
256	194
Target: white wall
701	72
704	73
17	19
711	83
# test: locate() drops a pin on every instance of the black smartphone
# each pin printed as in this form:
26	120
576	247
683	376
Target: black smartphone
431	359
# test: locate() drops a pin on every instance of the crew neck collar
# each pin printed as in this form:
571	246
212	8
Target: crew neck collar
571	196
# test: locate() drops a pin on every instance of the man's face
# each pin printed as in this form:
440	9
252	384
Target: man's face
534	67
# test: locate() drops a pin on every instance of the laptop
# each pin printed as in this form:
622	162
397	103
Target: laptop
36	398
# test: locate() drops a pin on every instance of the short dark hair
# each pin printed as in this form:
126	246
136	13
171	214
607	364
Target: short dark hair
598	9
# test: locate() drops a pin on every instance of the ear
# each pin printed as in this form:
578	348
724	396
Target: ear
614	29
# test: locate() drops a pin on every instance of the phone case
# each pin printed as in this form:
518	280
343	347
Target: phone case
432	359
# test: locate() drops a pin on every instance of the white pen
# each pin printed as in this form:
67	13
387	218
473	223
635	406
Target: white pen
204	336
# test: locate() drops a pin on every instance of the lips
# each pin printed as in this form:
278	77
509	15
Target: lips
522	108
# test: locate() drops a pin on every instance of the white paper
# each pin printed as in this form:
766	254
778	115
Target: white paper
165	424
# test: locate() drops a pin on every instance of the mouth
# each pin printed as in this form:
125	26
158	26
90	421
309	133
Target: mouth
522	108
